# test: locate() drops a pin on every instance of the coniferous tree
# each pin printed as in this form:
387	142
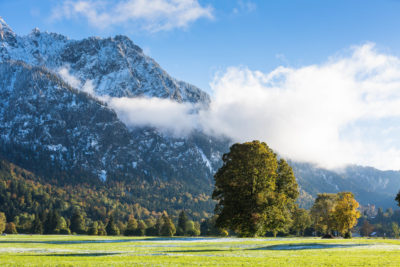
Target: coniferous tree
168	227
77	222
131	227
155	229
93	229
111	227
37	225
141	228
181	230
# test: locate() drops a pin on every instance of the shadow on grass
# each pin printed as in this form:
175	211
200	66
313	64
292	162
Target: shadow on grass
303	246
66	242
96	254
196	250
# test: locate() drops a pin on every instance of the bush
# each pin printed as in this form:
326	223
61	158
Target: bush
348	235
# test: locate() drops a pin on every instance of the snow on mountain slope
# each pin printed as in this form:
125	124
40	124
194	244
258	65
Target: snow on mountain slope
116	66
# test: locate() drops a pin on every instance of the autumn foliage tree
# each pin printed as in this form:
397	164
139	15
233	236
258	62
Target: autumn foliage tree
335	212
345	214
254	192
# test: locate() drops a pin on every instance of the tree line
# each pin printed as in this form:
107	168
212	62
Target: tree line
51	222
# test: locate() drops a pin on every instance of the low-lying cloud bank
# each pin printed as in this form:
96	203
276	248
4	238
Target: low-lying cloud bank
344	111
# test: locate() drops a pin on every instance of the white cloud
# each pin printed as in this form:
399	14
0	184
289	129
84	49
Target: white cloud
167	115
70	79
331	114
86	87
151	15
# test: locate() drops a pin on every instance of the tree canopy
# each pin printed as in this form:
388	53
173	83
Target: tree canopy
255	192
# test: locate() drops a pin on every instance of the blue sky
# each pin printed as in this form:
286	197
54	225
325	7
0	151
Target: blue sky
319	81
259	34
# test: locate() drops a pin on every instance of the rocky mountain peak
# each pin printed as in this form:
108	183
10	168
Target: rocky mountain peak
6	33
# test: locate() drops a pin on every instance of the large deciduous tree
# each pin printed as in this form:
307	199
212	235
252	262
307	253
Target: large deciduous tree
255	193
321	212
345	214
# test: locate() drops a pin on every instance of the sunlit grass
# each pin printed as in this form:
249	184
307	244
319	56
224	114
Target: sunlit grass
20	250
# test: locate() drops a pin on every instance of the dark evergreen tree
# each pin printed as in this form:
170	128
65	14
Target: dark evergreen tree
93	229
37	225
141	228
77	222
182	223
111	227
131	227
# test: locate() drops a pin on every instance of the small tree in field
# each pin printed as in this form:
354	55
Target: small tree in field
345	214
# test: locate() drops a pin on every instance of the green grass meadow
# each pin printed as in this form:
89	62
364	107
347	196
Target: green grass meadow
26	250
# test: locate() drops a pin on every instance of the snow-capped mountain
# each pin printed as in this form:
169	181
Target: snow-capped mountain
115	66
48	123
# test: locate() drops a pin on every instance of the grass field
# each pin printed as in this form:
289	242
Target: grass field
20	250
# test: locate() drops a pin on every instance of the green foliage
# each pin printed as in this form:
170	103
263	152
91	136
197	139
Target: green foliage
208	227
37	225
131	227
101	230
93	229
321	212
395	230
3	221
335	212
111	227
301	220
167	227
182	223
141	228
11	228
78	225
255	193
